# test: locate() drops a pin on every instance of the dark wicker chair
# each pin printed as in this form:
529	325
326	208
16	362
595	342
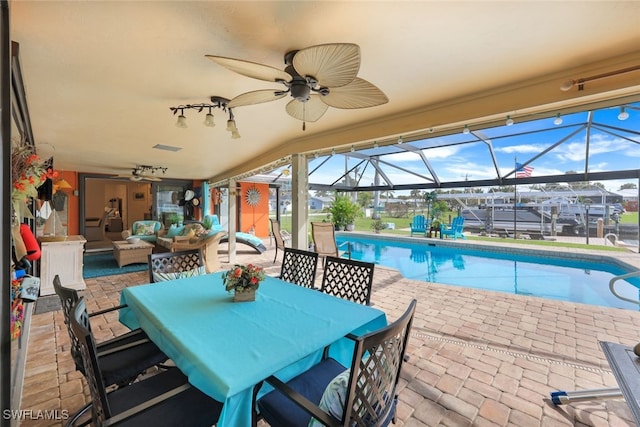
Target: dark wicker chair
363	396
348	279
163	399
174	262
299	267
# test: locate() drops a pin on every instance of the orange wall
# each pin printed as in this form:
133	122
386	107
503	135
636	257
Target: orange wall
73	207
254	216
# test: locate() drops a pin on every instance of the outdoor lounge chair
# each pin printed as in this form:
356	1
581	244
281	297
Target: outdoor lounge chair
419	225
324	240
277	236
455	230
364	395
164	399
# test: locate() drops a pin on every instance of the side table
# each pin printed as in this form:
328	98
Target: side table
131	253
64	258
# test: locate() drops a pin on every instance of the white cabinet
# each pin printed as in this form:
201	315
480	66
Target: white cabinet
63	258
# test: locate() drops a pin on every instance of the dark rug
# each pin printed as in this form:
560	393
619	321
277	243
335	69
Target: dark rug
104	264
46	304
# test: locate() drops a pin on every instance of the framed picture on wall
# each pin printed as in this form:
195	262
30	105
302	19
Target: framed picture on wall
138	195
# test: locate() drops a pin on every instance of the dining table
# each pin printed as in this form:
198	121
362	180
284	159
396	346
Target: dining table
225	348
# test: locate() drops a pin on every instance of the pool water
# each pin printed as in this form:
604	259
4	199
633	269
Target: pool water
553	278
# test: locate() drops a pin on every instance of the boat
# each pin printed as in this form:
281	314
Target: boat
525	218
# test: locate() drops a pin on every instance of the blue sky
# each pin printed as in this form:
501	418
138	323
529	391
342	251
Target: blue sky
611	148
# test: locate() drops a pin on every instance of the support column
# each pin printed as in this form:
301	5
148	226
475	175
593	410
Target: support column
206	199
299	200
232	220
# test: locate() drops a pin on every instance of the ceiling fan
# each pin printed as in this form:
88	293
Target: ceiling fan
317	77
143	173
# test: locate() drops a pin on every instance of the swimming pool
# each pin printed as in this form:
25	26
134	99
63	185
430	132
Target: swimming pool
562	279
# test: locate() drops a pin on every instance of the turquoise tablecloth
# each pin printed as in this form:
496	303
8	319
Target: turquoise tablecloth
225	348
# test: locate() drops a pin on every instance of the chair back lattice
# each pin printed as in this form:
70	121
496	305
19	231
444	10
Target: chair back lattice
348	279
82	333
174	262
324	238
375	372
299	267
68	299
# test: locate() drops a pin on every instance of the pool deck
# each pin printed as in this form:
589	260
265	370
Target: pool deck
477	358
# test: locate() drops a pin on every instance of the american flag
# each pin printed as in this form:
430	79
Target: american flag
523	171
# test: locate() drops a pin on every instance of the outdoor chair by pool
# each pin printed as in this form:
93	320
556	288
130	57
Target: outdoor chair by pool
164	399
455	230
277	236
324	240
419	225
299	267
363	395
122	359
174	265
348	279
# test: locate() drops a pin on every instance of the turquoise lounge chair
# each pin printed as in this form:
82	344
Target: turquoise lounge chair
419	224
455	230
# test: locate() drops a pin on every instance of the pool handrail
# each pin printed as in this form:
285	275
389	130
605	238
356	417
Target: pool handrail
622	277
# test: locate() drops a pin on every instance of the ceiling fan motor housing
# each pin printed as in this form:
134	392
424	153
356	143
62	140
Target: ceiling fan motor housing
300	90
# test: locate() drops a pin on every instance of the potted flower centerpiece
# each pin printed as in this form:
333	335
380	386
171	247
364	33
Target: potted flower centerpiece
243	280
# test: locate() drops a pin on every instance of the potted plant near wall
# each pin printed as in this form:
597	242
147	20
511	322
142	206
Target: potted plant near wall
344	212
377	225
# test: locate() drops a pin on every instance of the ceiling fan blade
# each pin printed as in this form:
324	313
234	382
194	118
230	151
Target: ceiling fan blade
309	111
251	69
151	178
357	94
332	65
256	97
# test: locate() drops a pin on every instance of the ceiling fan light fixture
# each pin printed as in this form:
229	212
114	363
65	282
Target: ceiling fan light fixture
624	115
558	120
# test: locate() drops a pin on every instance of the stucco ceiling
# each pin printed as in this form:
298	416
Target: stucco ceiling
100	76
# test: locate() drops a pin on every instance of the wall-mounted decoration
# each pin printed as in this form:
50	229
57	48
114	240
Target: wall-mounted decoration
139	195
253	196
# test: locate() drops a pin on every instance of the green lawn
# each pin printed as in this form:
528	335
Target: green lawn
629	218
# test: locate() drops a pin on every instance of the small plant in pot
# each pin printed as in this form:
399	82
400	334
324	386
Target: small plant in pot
378	225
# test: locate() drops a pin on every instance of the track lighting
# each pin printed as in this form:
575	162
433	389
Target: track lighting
333	151
216	102
466	130
375	144
509	121
400	140
624	115
353	149
558	120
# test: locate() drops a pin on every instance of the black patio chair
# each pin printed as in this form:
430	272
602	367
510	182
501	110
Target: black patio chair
299	267
163	265
363	395
348	279
122	359
163	399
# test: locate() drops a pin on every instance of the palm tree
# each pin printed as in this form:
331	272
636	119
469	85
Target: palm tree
415	194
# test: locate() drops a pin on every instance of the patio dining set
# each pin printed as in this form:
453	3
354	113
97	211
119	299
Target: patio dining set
298	349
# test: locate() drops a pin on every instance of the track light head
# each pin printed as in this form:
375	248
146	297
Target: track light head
509	121
558	120
624	115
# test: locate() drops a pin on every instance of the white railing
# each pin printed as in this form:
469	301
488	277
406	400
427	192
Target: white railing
623	277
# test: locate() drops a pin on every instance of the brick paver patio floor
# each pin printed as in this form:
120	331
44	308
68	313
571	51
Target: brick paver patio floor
477	358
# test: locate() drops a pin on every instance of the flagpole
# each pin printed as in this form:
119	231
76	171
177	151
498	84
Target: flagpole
515	198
